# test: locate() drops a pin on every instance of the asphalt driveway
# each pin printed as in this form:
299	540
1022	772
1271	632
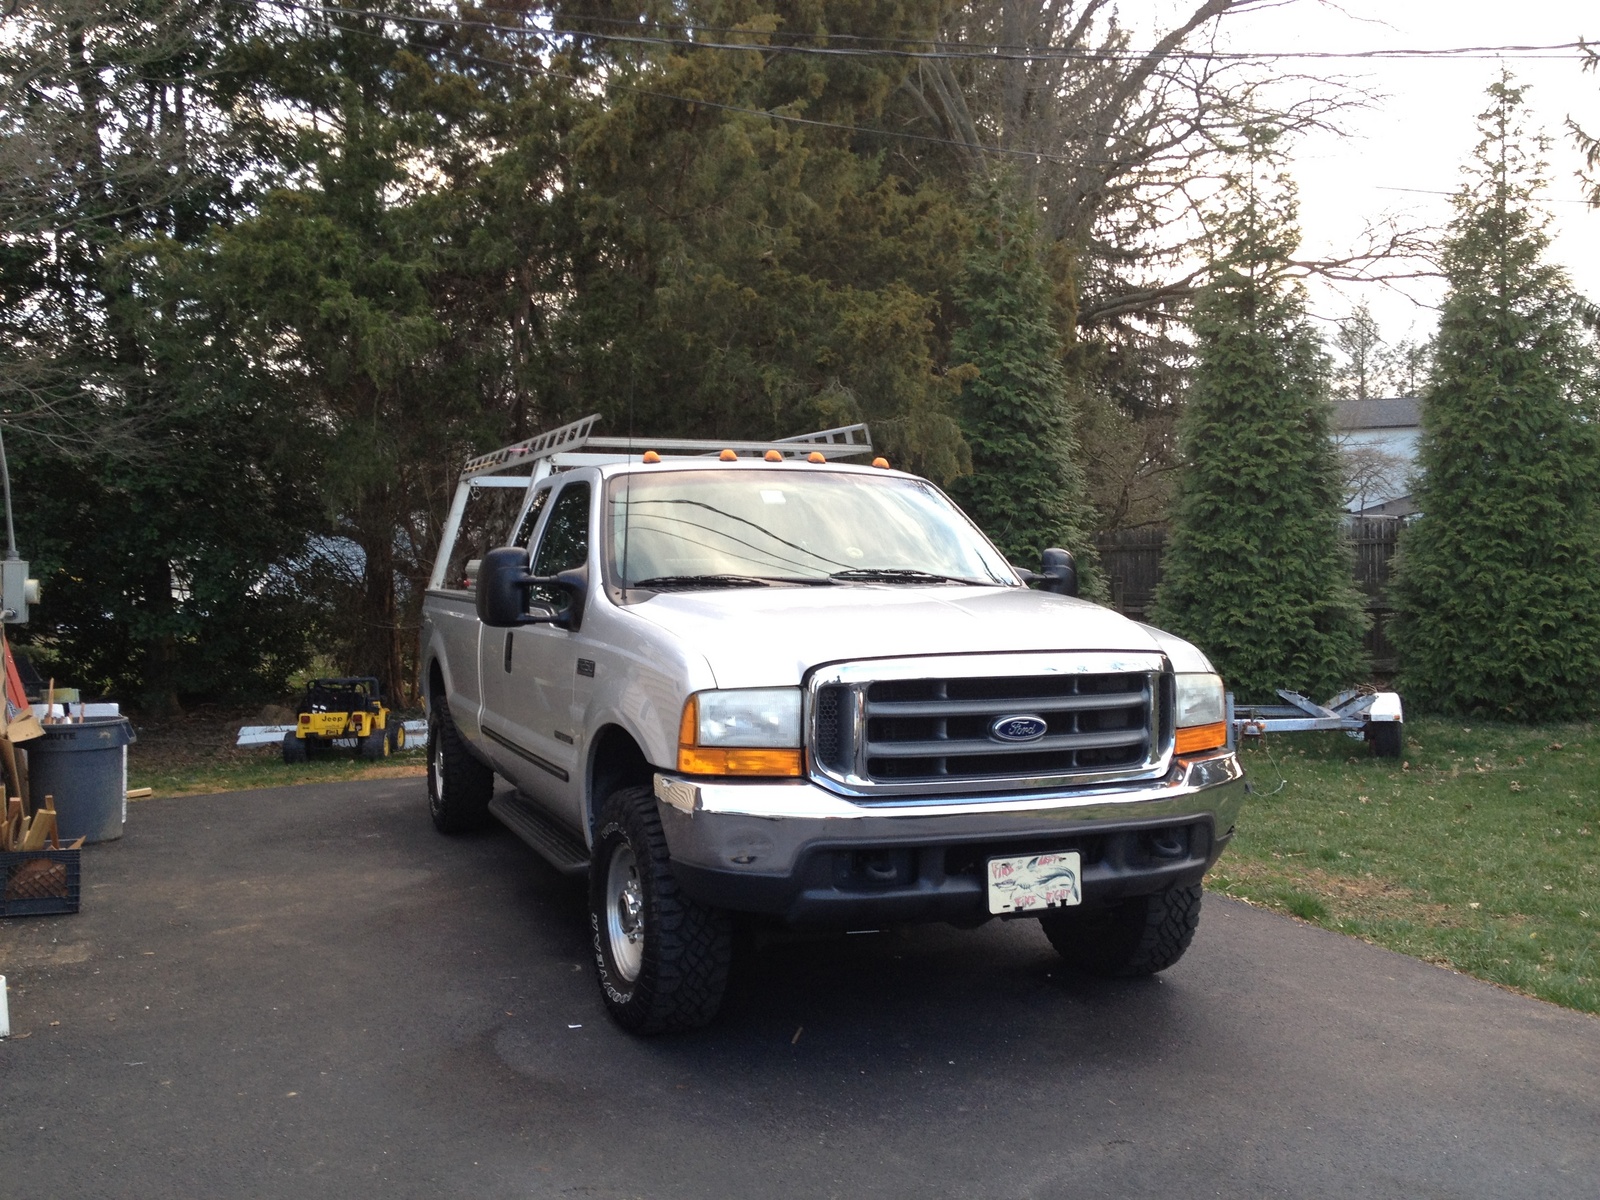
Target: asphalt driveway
308	992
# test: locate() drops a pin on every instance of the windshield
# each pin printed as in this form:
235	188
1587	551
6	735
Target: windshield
730	528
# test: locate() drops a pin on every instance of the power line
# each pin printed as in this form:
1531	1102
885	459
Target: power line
870	131
1438	192
551	37
951	51
1002	151
1023	50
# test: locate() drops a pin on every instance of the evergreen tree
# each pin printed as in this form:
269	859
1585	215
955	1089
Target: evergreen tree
1256	573
1026	490
1588	143
154	486
400	286
747	275
1499	579
1360	342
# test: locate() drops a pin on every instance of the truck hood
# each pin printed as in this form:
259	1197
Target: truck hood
768	637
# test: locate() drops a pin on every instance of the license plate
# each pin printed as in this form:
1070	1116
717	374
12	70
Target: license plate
1033	882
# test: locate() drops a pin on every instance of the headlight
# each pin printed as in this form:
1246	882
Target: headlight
752	731
1202	713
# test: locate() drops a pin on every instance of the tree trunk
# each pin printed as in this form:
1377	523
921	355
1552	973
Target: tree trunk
160	697
380	638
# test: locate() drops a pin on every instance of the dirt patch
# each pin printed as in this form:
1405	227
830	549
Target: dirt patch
1348	897
202	737
1315	879
1355	889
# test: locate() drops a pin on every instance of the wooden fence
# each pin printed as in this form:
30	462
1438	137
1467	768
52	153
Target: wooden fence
1131	560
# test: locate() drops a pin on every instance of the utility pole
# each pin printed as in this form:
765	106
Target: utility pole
17	591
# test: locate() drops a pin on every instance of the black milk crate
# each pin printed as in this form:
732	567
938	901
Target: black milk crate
36	883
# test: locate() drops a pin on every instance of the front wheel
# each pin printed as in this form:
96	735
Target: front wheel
1137	936
459	786
662	958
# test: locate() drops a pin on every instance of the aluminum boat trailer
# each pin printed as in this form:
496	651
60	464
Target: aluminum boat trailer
1375	717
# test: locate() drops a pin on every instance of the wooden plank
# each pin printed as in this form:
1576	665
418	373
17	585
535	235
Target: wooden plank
14	825
40	828
8	758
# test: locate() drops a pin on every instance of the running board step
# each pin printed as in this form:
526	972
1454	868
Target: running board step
565	852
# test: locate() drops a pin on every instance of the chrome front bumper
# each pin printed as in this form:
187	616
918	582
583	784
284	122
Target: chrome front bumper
787	848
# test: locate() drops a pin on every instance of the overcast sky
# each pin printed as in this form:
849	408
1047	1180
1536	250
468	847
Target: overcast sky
1418	135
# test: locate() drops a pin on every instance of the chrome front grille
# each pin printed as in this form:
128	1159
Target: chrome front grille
934	726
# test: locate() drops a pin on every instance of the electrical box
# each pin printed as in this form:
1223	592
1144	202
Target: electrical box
17	591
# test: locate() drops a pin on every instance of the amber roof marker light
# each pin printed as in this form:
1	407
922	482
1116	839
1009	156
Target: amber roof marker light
650	456
772	456
727	456
816	456
881	463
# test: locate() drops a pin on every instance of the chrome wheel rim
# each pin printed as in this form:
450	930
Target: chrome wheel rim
437	764
625	913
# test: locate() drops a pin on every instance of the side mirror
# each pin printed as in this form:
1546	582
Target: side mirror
1059	573
505	586
501	590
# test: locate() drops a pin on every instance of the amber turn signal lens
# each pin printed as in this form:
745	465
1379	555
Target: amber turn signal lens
688	725
1202	737
700	760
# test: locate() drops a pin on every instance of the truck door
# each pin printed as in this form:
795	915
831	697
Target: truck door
528	671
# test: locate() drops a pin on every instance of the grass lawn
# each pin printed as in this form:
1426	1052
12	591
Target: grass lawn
195	756
1481	850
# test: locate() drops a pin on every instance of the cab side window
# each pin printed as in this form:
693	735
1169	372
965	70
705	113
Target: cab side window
565	544
530	518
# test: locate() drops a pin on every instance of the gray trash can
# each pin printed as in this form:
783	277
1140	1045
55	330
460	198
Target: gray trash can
84	765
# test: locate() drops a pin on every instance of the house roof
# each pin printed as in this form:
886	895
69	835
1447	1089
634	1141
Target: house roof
1391	412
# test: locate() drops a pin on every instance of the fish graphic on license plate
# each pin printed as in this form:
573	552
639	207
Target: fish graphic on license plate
1033	882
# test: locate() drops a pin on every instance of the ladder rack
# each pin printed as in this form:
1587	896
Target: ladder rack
575	445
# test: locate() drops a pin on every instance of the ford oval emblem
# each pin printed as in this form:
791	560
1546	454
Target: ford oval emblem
1023	728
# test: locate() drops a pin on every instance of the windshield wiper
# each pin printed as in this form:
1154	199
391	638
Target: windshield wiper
663	583
893	575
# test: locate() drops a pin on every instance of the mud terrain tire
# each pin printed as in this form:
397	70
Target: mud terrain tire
1138	936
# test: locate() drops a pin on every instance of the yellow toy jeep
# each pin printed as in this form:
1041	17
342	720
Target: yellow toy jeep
343	710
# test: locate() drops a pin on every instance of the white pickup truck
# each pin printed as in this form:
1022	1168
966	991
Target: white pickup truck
763	681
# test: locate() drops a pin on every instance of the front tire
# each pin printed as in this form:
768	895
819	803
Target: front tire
1138	936
459	786
662	958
